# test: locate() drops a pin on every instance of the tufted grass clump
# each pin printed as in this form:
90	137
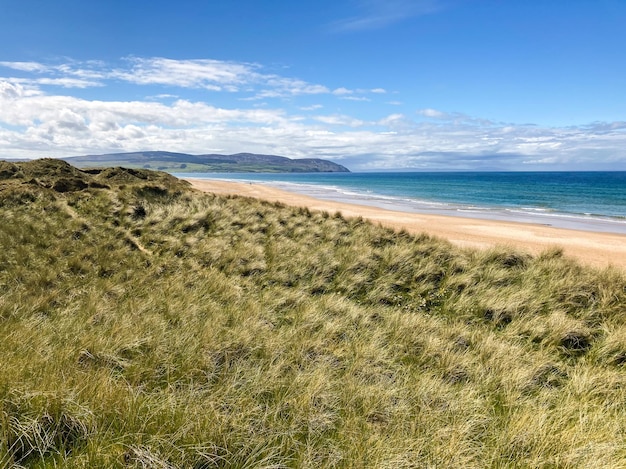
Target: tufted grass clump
143	324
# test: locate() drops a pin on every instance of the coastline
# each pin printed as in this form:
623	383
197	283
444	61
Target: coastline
597	249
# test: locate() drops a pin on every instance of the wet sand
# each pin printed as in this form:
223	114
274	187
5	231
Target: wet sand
596	249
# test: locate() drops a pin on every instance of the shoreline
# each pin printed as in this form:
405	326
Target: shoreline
597	249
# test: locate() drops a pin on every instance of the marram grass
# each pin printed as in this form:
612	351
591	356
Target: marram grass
145	325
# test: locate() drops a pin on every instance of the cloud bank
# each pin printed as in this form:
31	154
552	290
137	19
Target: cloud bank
67	109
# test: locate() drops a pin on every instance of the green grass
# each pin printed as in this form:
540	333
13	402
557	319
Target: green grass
145	325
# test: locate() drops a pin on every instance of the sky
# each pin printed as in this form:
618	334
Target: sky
458	85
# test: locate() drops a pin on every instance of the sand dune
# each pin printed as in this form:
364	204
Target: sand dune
596	249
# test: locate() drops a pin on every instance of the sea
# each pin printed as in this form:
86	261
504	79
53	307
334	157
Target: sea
591	201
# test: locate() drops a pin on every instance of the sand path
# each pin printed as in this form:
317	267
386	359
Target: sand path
596	249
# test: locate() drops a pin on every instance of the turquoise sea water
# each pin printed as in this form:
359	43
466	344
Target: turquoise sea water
594	201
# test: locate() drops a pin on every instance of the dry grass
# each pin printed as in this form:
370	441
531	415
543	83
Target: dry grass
144	325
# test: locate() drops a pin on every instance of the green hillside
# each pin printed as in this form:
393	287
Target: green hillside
184	163
147	325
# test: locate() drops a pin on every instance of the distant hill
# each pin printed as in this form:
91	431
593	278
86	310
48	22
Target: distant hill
182	162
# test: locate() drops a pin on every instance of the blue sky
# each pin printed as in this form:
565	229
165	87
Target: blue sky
371	84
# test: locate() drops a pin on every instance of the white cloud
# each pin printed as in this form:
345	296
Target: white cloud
17	109
65	82
64	75
313	107
342	91
163	96
208	74
340	120
377	14
37	120
355	98
10	90
60	126
25	66
393	121
281	87
215	75
345	93
432	113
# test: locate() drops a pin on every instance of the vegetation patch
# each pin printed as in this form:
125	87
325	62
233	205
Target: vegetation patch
144	324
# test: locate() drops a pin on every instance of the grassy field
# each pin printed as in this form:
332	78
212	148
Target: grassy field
145	325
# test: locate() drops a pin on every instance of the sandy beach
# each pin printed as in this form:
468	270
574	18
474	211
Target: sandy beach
596	249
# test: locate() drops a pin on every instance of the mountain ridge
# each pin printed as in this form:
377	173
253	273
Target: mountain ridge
212	162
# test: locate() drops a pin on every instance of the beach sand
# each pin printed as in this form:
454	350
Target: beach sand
595	249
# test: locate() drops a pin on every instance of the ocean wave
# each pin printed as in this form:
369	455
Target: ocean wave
526	214
583	220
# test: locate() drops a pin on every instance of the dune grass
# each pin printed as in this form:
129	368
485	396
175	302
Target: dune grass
146	325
